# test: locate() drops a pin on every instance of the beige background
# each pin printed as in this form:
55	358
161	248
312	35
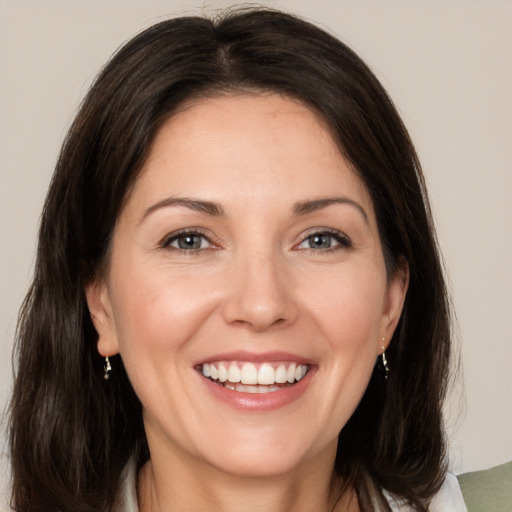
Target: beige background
448	66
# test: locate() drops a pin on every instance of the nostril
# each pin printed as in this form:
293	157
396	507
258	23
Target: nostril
258	326
258	298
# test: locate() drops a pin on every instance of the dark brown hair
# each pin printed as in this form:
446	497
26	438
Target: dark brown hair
71	432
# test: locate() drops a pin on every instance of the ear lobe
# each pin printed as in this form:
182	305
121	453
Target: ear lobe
397	291
100	309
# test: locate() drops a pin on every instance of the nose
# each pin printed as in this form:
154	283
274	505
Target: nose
261	294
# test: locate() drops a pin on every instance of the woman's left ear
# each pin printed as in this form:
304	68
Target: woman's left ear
100	309
396	293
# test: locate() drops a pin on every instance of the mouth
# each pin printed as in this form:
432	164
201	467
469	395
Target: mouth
255	378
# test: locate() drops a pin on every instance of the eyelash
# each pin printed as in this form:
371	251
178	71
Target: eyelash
173	237
343	242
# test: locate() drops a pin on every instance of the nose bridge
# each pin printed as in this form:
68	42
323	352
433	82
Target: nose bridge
260	297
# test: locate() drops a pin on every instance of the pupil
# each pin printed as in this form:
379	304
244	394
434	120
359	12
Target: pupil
320	241
189	242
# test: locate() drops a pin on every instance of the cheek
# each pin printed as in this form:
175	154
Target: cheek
157	317
347	311
348	305
157	312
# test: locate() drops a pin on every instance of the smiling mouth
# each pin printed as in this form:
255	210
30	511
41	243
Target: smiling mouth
245	377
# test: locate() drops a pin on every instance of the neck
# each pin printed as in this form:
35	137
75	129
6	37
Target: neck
162	487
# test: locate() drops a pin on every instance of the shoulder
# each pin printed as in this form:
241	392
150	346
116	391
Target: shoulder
447	499
489	490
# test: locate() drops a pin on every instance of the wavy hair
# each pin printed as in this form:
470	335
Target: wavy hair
72	432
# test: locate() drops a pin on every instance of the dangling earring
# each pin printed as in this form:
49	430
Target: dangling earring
384	360
107	368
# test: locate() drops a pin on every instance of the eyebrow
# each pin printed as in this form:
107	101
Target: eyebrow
198	205
309	206
216	210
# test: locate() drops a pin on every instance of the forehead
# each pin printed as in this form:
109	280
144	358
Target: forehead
246	146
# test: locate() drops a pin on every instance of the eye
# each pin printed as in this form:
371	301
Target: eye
187	241
325	240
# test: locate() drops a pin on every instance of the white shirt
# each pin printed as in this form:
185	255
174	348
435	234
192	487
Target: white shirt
448	498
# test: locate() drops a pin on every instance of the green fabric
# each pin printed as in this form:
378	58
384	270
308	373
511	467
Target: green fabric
489	490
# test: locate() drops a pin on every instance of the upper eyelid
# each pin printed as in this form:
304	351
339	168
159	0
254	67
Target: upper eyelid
170	237
328	231
343	239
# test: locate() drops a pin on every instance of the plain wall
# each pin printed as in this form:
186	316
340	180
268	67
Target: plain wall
448	67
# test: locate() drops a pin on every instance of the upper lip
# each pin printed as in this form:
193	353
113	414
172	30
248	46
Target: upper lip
255	357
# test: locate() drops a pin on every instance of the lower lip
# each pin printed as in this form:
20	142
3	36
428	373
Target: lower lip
259	401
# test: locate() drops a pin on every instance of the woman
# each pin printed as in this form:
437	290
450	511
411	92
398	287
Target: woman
238	302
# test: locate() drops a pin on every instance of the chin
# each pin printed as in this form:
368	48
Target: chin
282	455
260	465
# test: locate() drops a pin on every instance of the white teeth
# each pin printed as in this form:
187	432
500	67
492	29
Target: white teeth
234	373
266	374
241	388
281	374
249	374
246	389
249	377
223	374
291	373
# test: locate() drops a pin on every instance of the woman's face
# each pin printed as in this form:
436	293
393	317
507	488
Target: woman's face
247	292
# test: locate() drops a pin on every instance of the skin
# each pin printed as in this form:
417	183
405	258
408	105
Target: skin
256	283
